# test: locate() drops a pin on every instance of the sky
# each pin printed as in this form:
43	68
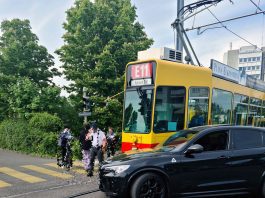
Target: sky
47	16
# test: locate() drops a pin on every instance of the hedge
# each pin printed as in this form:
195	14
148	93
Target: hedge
46	122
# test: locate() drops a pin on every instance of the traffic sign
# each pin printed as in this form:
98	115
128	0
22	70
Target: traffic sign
83	114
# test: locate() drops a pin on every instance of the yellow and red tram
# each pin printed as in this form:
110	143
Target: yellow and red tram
162	97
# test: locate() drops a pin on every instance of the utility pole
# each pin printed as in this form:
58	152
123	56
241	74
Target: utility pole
85	99
178	24
180	6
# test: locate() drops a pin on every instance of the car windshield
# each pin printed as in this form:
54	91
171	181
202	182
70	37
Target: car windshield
180	137
138	110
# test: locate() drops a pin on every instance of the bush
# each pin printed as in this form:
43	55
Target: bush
76	149
48	144
12	134
46	122
17	135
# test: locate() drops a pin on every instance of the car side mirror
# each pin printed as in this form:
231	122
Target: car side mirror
196	148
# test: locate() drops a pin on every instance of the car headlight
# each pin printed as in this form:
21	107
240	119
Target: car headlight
118	169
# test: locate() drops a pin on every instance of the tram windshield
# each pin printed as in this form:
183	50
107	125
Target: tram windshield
138	110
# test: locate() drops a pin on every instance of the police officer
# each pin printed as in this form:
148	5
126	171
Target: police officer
98	144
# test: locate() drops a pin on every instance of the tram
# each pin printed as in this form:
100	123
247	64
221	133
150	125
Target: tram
163	95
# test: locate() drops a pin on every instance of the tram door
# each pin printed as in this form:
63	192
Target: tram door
241	118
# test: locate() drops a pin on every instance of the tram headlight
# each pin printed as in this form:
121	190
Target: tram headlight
118	169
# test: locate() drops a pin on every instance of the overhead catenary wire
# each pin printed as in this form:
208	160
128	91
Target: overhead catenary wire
257	6
232	31
227	20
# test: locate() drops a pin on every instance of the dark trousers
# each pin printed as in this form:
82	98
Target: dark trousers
93	153
63	153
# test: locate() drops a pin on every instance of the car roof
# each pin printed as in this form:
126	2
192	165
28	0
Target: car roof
224	126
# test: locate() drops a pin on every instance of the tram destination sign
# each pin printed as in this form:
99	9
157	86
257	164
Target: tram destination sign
140	74
141	82
140	71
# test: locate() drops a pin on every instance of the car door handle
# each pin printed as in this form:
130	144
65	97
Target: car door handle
223	157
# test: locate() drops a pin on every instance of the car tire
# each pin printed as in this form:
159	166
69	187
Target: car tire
148	185
262	190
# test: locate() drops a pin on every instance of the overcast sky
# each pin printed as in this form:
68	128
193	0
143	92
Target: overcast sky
47	16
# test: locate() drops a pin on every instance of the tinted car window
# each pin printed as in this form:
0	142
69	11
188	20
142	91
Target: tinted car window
214	141
180	137
245	138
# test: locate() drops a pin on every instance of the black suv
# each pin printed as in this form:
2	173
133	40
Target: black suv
205	161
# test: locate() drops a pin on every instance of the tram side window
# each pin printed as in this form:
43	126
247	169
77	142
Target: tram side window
221	106
198	106
254	114
240	109
169	109
262	122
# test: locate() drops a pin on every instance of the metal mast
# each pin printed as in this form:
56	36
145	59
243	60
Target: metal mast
180	16
178	24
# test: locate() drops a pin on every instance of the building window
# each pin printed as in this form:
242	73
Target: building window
258	67
245	60
254	59
253	67
240	68
258	58
249	68
241	60
249	59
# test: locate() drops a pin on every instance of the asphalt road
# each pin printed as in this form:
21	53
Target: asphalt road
24	176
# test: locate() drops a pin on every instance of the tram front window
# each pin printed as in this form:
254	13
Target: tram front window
138	111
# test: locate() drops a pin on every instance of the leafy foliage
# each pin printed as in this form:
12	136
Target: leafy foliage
18	136
21	55
100	39
27	97
46	122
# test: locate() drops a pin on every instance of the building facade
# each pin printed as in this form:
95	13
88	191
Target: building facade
248	59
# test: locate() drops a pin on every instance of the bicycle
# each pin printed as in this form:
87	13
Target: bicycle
66	151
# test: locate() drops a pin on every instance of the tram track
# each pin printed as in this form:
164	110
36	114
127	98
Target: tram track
83	193
31	193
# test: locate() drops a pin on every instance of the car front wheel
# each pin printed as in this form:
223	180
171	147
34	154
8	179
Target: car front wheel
148	185
263	189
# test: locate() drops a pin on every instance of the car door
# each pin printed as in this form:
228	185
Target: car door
247	159
207	172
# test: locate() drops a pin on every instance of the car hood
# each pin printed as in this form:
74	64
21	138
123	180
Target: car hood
140	155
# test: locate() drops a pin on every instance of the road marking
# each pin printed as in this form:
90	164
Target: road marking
20	175
78	163
47	171
4	184
76	168
54	165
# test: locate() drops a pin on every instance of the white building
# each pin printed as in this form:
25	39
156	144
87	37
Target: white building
247	59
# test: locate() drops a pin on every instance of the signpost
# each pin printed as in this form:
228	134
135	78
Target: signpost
84	114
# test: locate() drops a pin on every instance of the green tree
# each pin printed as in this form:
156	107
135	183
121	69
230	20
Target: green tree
27	97
5	82
21	55
100	39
